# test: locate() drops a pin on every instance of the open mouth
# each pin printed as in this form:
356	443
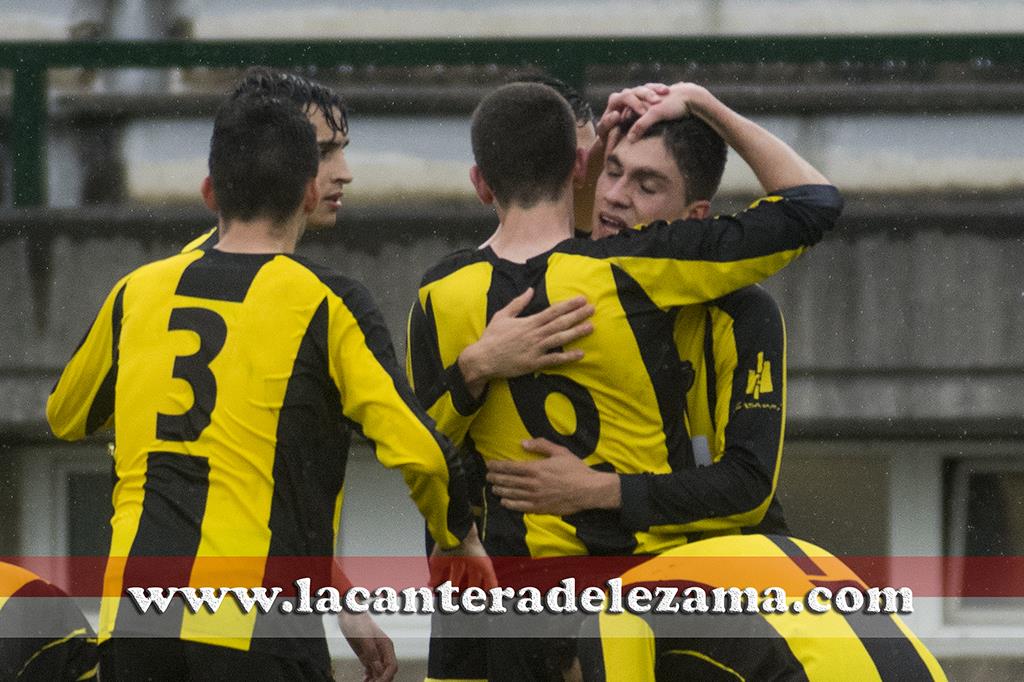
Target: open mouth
611	222
334	200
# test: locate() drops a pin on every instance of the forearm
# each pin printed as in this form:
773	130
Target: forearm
776	165
600	490
732	493
476	371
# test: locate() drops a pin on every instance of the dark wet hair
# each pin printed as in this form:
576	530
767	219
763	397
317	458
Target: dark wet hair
262	153
699	153
524	143
260	80
581	108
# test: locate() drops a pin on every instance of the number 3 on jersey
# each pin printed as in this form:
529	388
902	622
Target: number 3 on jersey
195	369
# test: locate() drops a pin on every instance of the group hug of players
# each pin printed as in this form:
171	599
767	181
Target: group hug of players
601	378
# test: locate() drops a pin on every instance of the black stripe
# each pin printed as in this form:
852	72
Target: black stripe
754	429
652	329
799	219
530	391
311	450
427	365
103	403
799	557
892	654
504	531
591	651
168	536
221	276
773	523
358	300
378	341
600	530
745	642
211	241
452	263
709	366
81	342
31	625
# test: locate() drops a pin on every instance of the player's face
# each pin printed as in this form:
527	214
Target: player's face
640	182
332	175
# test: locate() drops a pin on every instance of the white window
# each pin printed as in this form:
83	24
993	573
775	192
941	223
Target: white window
986	521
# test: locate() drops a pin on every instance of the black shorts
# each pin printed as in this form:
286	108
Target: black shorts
155	660
502	656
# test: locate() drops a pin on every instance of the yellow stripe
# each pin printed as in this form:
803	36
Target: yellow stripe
49	645
89	674
707	659
627	648
198	241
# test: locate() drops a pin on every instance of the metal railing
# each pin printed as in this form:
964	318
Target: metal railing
567	58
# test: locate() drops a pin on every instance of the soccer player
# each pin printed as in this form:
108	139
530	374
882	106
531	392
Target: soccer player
618	407
234	377
733	348
785	641
43	634
326	111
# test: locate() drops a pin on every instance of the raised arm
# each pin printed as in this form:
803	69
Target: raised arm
776	165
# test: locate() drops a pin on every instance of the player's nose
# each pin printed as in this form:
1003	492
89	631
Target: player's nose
340	171
617	194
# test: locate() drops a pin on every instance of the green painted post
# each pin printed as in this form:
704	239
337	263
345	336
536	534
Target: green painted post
28	135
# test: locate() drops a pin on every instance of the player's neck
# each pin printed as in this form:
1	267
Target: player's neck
260	235
526	232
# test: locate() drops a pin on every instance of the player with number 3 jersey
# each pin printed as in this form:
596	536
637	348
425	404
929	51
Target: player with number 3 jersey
234	377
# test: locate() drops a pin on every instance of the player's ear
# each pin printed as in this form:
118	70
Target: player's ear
698	210
206	189
311	197
579	169
483	192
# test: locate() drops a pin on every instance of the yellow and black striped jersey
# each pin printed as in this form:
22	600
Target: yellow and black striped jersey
621	407
734	355
204	242
234	382
43	634
763	645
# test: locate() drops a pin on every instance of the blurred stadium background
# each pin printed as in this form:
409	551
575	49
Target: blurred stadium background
906	330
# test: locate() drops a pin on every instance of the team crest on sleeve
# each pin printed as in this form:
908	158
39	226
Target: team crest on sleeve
759	380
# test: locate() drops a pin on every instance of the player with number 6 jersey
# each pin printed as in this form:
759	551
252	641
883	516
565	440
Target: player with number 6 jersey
620	407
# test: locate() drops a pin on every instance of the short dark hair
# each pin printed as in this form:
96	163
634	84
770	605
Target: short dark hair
524	143
699	152
259	80
262	153
581	109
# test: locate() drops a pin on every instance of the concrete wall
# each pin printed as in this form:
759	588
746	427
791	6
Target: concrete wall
926	300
